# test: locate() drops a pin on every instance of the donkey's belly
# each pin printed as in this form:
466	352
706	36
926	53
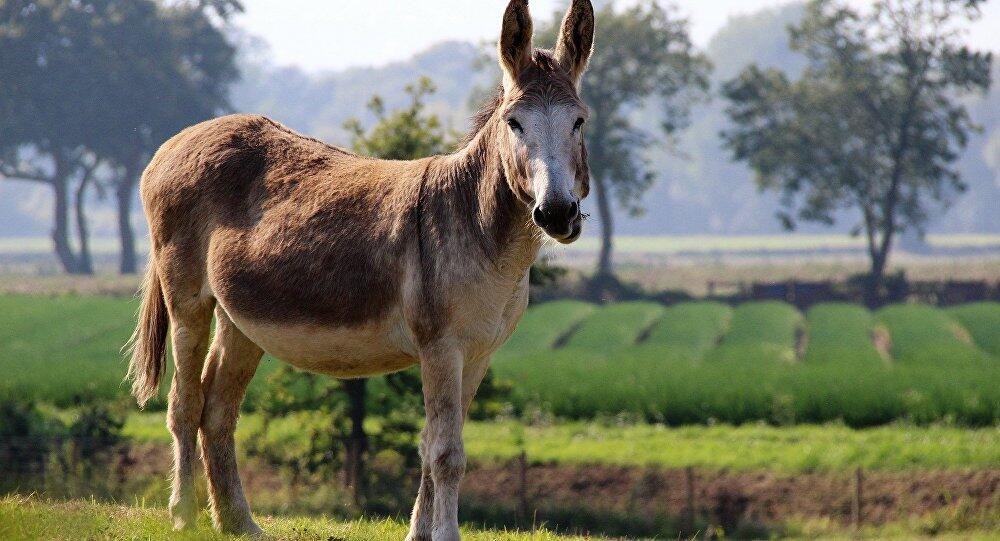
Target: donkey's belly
345	352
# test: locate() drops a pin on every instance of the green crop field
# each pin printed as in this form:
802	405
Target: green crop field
697	326
765	361
615	326
982	320
842	334
689	363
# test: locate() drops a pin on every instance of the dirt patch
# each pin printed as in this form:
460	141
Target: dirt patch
961	334
882	340
721	497
759	497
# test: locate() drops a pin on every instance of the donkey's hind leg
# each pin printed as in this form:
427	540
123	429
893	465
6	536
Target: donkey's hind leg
191	318
231	365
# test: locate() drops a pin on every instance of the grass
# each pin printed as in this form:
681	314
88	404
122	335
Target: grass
63	349
615	326
841	334
934	374
798	449
792	449
697	326
923	335
542	326
637	360
760	333
768	322
27	518
982	321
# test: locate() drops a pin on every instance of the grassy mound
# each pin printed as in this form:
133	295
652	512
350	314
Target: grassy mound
924	335
543	325
982	321
841	334
761	333
696	326
615	326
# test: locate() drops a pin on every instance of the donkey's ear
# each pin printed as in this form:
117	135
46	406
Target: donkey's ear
576	39
514	48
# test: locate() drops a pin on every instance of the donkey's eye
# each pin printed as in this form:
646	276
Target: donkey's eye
515	125
578	125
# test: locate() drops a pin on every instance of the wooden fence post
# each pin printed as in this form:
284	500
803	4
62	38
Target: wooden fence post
689	503
522	461
856	504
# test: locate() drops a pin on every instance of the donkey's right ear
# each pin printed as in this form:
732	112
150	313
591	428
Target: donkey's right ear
514	48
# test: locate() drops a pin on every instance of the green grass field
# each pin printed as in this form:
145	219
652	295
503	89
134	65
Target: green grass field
790	450
27	518
690	363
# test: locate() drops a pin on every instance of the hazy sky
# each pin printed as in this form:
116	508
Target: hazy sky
334	34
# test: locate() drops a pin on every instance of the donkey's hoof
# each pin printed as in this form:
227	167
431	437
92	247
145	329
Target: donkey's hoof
414	536
184	515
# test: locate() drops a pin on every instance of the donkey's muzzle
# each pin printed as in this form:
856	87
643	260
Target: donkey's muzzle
559	220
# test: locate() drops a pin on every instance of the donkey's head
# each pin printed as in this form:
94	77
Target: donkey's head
544	155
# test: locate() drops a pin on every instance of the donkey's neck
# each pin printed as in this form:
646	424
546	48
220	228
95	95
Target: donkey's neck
498	221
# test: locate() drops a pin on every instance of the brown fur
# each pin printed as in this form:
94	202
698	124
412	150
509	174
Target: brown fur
343	265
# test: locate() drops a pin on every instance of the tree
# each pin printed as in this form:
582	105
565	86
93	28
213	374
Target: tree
873	124
92	87
643	53
179	66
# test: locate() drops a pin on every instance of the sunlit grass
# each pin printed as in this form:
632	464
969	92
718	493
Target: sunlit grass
28	518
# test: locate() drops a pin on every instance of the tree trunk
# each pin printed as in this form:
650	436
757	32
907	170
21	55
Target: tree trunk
123	194
60	232
875	285
357	443
85	262
604	266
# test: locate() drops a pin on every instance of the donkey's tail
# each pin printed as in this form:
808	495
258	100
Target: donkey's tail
148	345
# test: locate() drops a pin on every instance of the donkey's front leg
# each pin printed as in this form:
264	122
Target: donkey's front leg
422	520
444	453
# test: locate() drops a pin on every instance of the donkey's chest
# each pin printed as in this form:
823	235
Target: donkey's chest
484	319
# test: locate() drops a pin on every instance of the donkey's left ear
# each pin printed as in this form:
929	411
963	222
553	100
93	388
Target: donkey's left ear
576	39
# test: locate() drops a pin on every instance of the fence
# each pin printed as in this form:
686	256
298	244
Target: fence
667	503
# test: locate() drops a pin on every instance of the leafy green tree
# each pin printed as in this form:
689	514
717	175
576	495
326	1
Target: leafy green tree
644	54
873	124
90	88
406	134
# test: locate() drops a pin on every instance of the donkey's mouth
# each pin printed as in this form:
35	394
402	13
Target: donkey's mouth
575	231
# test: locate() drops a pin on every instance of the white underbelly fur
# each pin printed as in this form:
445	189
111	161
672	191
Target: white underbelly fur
366	350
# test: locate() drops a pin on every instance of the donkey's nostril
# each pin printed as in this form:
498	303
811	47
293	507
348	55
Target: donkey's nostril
574	209
539	216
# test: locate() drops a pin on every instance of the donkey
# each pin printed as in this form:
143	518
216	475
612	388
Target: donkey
352	267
